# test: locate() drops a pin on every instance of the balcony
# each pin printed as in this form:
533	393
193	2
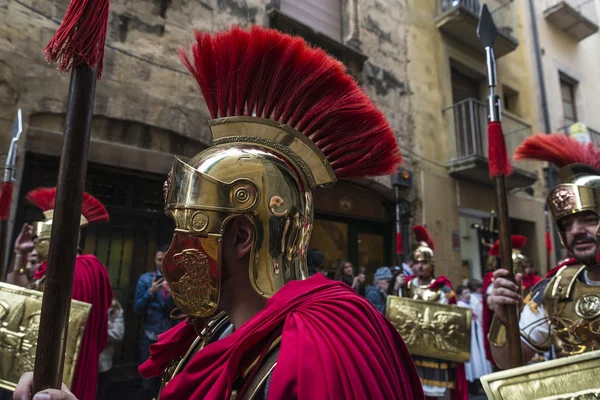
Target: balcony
577	18
594	134
467	123
459	19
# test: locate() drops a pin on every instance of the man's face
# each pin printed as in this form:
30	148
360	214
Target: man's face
33	259
465	295
383	284
422	269
158	260
580	234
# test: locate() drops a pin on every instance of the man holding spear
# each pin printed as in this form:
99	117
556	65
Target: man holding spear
564	310
79	46
500	168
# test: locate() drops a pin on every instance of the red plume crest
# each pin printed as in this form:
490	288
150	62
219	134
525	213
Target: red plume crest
422	235
558	149
495	249
42	198
518	241
267	74
91	208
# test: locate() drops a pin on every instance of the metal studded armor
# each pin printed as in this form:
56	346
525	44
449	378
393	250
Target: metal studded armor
572	306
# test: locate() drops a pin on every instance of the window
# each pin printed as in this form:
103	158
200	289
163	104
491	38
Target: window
510	100
323	16
567	91
300	19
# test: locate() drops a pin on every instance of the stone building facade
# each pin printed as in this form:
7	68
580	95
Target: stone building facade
148	109
420	61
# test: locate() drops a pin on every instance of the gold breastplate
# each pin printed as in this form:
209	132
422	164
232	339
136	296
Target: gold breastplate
574	311
423	292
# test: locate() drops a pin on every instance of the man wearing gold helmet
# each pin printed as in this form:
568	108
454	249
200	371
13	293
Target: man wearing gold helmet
564	310
437	376
287	120
91	284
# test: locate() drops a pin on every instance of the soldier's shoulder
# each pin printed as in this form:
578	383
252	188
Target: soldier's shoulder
537	290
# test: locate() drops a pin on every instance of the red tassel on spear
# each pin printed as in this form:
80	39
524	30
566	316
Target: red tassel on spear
499	167
79	46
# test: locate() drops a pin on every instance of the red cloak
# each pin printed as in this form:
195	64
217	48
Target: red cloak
170	345
568	261
91	284
334	345
530	280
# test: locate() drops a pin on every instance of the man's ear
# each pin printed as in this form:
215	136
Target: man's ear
243	236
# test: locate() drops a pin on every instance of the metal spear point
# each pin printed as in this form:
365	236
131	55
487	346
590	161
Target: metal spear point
7	189
499	169
487	33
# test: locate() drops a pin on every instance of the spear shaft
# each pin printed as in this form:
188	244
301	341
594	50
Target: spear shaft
56	302
500	168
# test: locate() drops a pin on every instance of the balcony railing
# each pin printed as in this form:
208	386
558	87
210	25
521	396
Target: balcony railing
594	134
459	18
577	18
467	124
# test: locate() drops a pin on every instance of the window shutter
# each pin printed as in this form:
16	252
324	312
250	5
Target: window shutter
323	16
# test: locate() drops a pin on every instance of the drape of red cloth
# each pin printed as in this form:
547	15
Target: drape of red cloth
334	345
91	284
567	262
170	345
530	280
439	282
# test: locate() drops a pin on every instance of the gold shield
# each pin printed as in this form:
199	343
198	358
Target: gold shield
570	378
431	329
20	311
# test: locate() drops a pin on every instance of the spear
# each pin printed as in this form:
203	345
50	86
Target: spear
79	46
500	168
7	188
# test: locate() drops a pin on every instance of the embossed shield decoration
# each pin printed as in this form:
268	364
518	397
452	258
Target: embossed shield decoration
432	330
20	311
570	378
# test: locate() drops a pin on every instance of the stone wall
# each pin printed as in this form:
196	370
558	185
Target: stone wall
406	72
143	80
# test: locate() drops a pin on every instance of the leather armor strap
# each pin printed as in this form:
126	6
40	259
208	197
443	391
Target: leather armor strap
562	284
262	374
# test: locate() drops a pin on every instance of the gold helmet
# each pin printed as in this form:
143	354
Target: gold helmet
578	189
92	210
287	119
425	246
517	244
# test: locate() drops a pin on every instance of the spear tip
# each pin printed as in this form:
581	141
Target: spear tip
486	29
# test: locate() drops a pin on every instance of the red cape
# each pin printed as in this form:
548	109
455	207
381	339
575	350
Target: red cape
334	345
91	284
530	280
440	281
568	261
171	344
